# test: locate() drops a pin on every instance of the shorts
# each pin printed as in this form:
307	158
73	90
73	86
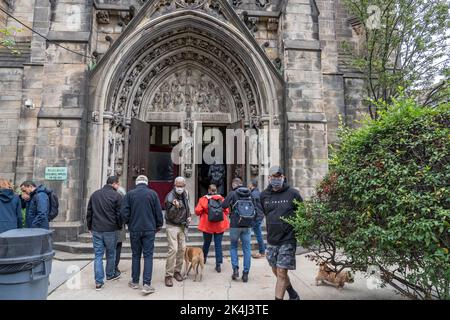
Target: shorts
282	256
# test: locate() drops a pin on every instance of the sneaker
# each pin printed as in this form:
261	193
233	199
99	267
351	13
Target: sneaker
245	277
235	274
258	255
147	289
218	269
116	276
133	285
99	286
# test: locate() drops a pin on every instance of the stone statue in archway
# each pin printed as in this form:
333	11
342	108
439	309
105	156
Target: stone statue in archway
216	174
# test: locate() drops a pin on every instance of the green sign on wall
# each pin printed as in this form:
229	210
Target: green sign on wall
56	173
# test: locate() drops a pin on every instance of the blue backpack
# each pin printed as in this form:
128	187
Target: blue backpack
245	209
53	204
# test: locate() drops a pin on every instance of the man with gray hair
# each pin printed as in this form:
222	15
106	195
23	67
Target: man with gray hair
142	212
178	217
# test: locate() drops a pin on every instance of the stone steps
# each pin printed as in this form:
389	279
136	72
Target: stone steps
160	246
193	236
83	248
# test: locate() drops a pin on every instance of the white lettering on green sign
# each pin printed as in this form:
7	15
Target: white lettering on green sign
56	173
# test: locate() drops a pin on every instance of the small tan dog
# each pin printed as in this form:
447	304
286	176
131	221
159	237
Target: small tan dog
193	257
329	275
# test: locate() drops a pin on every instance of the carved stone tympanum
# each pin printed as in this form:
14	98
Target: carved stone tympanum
188	87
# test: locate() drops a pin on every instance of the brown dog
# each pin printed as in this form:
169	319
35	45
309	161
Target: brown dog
329	275
193	257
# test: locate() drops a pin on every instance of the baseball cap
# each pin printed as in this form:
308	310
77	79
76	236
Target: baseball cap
275	170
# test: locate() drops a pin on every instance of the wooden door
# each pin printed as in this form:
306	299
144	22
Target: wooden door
138	144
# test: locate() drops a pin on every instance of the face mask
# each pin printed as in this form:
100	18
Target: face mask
276	182
179	190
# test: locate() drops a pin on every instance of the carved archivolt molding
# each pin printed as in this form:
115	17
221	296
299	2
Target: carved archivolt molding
188	44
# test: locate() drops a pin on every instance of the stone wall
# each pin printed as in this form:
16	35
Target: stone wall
333	83
3	16
53	135
10	106
307	135
22	10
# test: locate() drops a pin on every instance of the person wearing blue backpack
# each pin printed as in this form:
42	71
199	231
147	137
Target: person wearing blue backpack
242	218
41	205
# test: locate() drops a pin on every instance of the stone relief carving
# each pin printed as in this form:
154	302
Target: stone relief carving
278	64
236	3
116	145
212	7
119	148
102	17
262	3
10	4
195	50
250	22
189	87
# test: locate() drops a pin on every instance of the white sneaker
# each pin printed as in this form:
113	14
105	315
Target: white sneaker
146	289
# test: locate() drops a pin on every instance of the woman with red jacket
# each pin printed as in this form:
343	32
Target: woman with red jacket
213	222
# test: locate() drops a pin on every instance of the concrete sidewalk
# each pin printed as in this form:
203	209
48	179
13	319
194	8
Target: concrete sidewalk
214	286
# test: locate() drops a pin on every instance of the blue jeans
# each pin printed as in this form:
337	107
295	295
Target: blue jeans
207	238
104	241
245	235
142	243
257	229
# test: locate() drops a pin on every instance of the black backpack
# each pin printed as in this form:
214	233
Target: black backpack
215	211
245	209
53	204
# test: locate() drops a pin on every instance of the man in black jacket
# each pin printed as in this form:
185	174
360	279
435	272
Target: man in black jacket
141	210
103	221
278	202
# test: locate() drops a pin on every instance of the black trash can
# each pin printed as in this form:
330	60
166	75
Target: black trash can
25	264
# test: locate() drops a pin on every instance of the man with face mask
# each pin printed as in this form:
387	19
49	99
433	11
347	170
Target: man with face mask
278	202
103	220
178	217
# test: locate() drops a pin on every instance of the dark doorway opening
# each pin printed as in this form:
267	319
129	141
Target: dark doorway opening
162	170
216	173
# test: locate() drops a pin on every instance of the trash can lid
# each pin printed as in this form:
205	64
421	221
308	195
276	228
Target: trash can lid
25	244
27	232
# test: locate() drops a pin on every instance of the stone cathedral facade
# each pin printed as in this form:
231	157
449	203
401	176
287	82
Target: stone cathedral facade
144	68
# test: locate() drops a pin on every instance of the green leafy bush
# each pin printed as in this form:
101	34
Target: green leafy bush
386	201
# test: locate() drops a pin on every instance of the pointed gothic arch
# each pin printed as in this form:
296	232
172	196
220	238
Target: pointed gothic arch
166	37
